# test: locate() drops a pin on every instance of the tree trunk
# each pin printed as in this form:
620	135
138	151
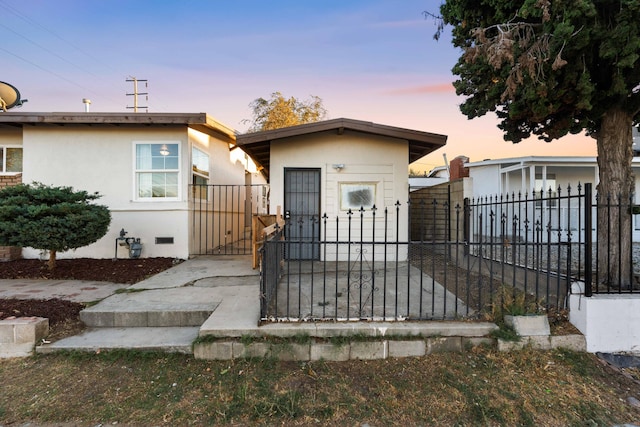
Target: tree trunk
616	186
52	260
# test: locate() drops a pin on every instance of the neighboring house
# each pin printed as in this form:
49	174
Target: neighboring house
524	176
437	175
143	165
528	174
333	166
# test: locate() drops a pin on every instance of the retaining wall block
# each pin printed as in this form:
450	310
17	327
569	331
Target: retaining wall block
574	342
477	341
31	329
529	325
369	350
536	342
414	348
291	352
251	350
444	345
8	351
330	352
18	336
219	350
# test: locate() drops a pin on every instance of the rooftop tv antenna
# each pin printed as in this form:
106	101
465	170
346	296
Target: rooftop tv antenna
9	97
136	94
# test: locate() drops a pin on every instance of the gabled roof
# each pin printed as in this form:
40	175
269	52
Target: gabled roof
258	144
197	121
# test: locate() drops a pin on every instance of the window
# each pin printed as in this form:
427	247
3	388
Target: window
200	174
157	170
10	159
357	195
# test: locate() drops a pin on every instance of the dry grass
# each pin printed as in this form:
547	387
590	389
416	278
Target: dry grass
480	387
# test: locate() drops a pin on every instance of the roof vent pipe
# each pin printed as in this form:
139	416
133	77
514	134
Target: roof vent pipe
86	102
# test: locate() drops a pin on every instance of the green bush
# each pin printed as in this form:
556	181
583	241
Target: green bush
50	218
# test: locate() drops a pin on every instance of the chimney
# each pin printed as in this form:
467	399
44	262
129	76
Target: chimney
457	168
86	103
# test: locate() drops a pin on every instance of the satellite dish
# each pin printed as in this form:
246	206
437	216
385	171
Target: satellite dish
9	97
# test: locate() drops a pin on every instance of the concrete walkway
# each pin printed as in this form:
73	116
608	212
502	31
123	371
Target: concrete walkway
166	311
70	290
205	296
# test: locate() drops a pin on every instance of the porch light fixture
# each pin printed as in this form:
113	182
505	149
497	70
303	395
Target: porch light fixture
338	166
164	150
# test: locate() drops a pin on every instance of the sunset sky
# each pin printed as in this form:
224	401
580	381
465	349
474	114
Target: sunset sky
373	60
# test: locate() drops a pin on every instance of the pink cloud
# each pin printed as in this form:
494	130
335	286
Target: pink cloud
418	90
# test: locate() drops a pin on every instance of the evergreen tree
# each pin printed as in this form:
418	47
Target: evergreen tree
553	67
50	218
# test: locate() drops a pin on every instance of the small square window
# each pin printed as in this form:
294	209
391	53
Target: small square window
10	159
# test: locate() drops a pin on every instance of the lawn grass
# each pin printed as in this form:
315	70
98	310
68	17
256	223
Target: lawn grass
478	387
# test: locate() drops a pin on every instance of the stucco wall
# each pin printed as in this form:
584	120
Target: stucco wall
366	159
102	159
608	322
486	180
10	136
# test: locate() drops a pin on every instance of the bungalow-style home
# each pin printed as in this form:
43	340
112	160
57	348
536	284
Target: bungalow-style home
333	166
151	170
159	173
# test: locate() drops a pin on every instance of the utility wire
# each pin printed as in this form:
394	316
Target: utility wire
28	20
55	74
34	23
48	50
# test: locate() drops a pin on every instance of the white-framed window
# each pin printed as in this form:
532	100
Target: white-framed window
157	170
10	159
199	174
356	195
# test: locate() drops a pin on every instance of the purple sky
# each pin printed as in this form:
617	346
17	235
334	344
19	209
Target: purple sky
372	60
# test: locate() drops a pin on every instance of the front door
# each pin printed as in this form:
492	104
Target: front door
302	210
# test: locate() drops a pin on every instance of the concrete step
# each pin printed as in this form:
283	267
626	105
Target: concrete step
145	317
179	307
170	340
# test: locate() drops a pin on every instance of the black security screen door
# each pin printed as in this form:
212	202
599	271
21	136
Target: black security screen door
302	210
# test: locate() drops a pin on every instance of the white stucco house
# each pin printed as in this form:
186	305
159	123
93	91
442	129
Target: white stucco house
335	165
534	173
142	164
525	175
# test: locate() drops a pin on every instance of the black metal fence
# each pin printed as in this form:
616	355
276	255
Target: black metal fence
221	217
368	265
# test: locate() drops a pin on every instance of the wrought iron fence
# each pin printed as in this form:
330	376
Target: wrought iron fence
221	217
494	249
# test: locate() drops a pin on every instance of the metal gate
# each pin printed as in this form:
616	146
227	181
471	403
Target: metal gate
302	212
221	217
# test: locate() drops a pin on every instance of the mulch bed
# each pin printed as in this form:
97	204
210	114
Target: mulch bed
64	318
55	309
127	271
